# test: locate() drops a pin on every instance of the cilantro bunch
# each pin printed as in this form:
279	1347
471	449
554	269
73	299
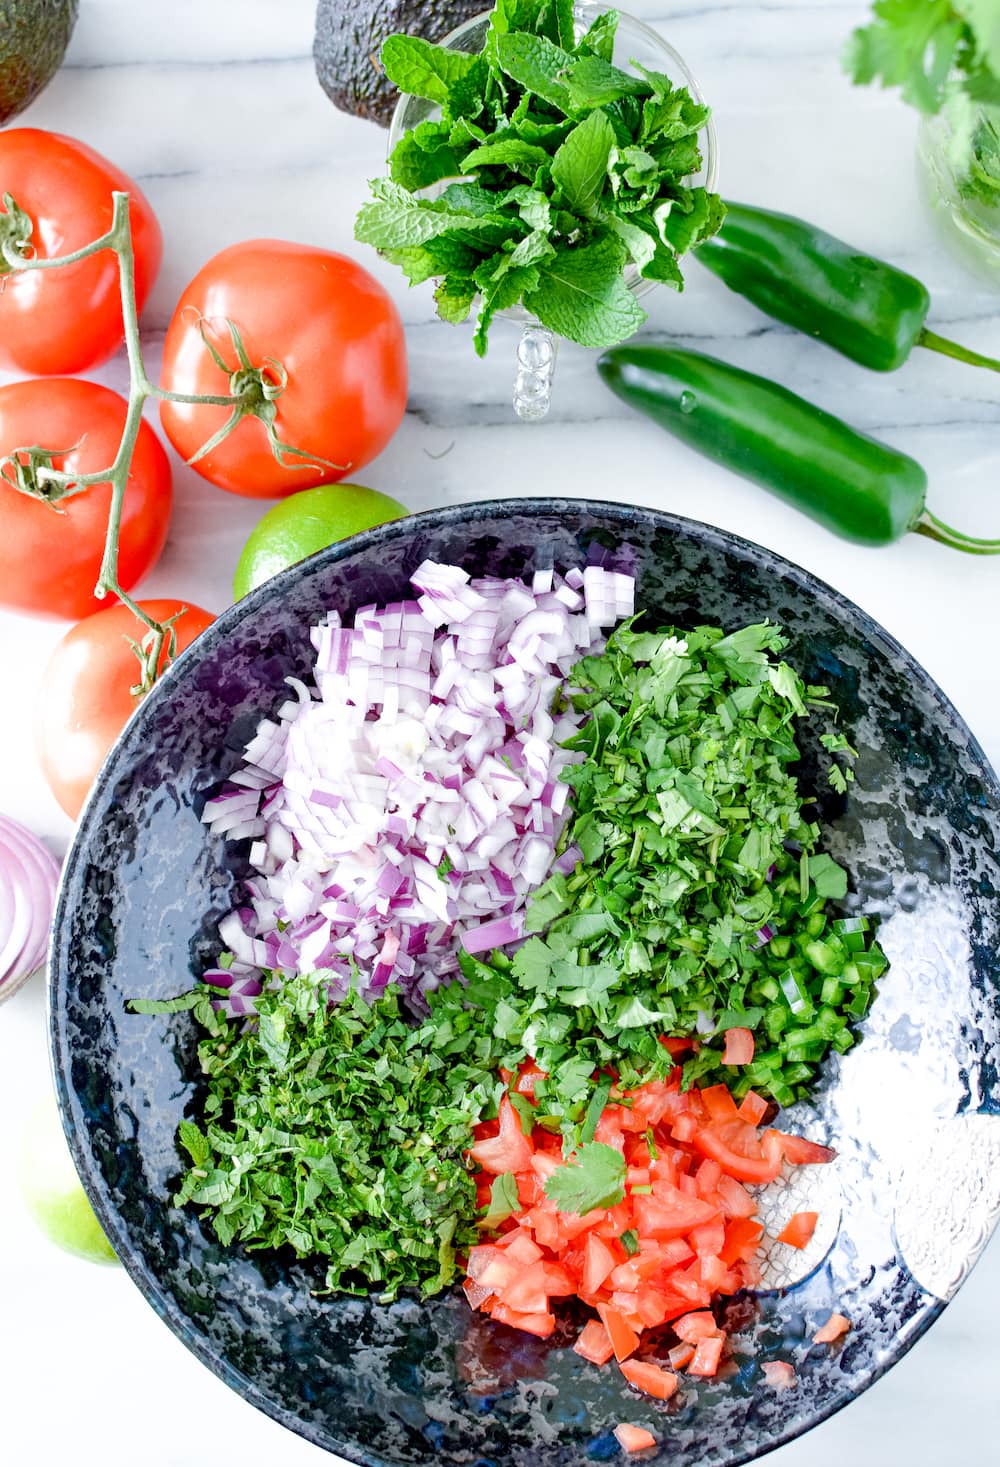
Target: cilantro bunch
941	53
552	170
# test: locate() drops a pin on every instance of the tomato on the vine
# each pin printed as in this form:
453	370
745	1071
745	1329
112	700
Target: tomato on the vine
85	698
69	319
50	554
314	347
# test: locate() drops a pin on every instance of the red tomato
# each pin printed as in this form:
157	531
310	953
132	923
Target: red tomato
835	1326
510	1151
798	1230
652	1379
84	701
66	320
634	1438
800	1152
594	1343
739	1047
311	314
50	558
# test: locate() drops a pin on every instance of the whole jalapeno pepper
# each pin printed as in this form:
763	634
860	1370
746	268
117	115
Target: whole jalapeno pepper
859	488
863	307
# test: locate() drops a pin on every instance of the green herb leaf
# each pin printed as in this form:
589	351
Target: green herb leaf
582	295
504	1200
422	69
594	1177
579	168
828	879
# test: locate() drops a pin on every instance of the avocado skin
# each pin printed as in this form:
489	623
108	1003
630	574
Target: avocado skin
34	35
349	36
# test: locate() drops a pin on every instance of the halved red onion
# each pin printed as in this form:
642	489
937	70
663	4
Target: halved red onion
29	875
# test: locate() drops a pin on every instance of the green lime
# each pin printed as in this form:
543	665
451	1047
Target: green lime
306	522
51	1188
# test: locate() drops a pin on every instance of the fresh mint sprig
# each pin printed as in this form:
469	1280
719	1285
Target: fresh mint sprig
555	170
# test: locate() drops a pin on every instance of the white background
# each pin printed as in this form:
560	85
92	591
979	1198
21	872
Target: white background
214	109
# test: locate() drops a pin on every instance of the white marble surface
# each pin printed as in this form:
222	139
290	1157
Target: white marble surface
213	106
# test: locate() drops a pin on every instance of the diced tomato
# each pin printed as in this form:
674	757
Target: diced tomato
779	1374
835	1326
528	1291
685	1127
508	1151
710	1237
742	1237
637	1176
707	1177
634	1438
707	1356
558	1283
477	1294
734	1198
500	1273
598	1263
527	1077
800	1152
686	1183
676	1253
739	1047
735	1146
688	1284
680	1356
753	1108
623	1337
543	1164
651	1307
617	1220
694	1327
521	1248
719	1104
651	1102
530	1189
609	1128
652	1379
573	1224
541	1325
480	1257
634	1271
799	1229
594	1343
714	1273
671	1217
676	1046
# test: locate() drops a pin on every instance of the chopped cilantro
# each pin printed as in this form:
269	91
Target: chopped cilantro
593	1177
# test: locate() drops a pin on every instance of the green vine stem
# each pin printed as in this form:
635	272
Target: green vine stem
30	470
253	390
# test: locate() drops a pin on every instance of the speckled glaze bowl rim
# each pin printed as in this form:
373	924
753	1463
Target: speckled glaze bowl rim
449	517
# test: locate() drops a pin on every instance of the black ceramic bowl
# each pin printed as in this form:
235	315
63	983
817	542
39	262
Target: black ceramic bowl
915	1190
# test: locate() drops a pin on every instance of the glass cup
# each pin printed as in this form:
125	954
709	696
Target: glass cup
965	209
537	348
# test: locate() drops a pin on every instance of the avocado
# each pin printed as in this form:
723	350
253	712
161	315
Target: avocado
34	35
349	36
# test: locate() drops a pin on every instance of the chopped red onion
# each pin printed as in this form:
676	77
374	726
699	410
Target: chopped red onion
414	800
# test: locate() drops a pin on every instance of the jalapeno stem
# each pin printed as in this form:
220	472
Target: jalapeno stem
928	524
933	342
